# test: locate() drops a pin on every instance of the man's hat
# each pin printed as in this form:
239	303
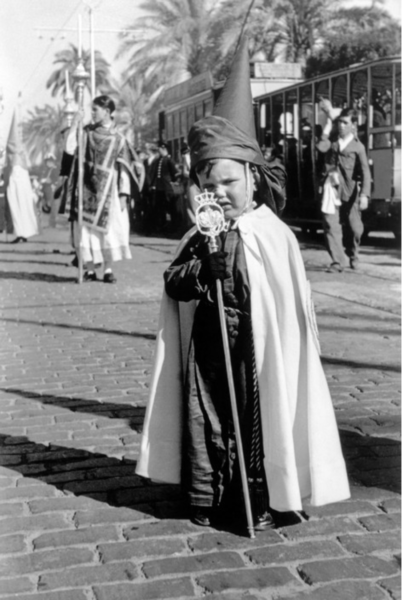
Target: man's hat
230	131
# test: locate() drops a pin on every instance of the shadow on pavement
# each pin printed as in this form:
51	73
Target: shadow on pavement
46	277
372	461
134	415
354	364
90	474
147	336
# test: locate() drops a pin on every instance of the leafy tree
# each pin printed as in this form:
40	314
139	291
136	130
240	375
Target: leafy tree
355	35
41	132
67	60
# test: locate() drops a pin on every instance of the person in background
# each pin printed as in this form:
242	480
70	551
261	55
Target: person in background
108	178
151	155
162	173
347	165
49	182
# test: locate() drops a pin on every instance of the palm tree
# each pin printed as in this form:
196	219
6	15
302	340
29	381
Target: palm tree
132	107
300	26
67	60
171	43
41	132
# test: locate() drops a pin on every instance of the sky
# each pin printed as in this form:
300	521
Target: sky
27	53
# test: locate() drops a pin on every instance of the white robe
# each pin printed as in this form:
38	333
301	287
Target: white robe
21	200
303	456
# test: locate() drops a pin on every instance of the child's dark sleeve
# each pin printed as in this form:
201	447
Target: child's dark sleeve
181	278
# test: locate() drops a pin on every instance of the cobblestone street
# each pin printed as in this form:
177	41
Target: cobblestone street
75	521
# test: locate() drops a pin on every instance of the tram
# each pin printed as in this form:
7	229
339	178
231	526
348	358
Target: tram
289	121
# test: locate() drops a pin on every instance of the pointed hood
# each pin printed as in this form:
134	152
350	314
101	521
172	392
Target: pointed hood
230	131
235	102
15	149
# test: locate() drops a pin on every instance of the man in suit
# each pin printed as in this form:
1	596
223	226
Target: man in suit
162	173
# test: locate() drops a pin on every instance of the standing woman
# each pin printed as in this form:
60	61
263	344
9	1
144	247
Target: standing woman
112	173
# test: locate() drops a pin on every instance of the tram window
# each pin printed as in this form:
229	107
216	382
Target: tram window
169	126
381	140
359	95
176	125
321	92
265	125
381	97
397	139
207	108
289	121
398	98
183	123
190	116
277	111
306	109
339	92
198	111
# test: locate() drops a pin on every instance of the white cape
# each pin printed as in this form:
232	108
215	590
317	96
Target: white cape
21	201
303	456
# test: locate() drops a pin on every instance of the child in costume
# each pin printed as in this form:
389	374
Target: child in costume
288	428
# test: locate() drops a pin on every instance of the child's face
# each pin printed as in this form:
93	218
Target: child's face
227	180
345	126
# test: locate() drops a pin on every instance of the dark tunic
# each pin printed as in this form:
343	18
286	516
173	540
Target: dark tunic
210	473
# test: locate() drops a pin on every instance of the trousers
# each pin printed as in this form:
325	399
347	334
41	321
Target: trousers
343	231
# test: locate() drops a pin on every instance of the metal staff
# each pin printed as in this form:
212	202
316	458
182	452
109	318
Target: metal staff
210	221
80	75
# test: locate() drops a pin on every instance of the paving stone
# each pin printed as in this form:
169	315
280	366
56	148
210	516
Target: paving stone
12	543
370	543
393	586
350	590
87	576
155	590
147	548
108	515
362	567
42	561
90	535
246	579
60	595
381	522
341	508
8	509
66	503
392	505
188	564
372	494
336	525
228	541
159	529
36	523
17	585
285	553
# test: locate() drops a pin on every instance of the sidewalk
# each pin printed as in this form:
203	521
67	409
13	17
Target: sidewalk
77	524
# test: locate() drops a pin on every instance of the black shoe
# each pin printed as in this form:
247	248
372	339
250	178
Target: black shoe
264	522
109	278
201	516
90	276
74	262
18	240
334	268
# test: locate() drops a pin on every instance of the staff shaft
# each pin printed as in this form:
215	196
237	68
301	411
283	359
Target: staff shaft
233	405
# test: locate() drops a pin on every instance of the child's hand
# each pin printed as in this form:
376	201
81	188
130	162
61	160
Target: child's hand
213	267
